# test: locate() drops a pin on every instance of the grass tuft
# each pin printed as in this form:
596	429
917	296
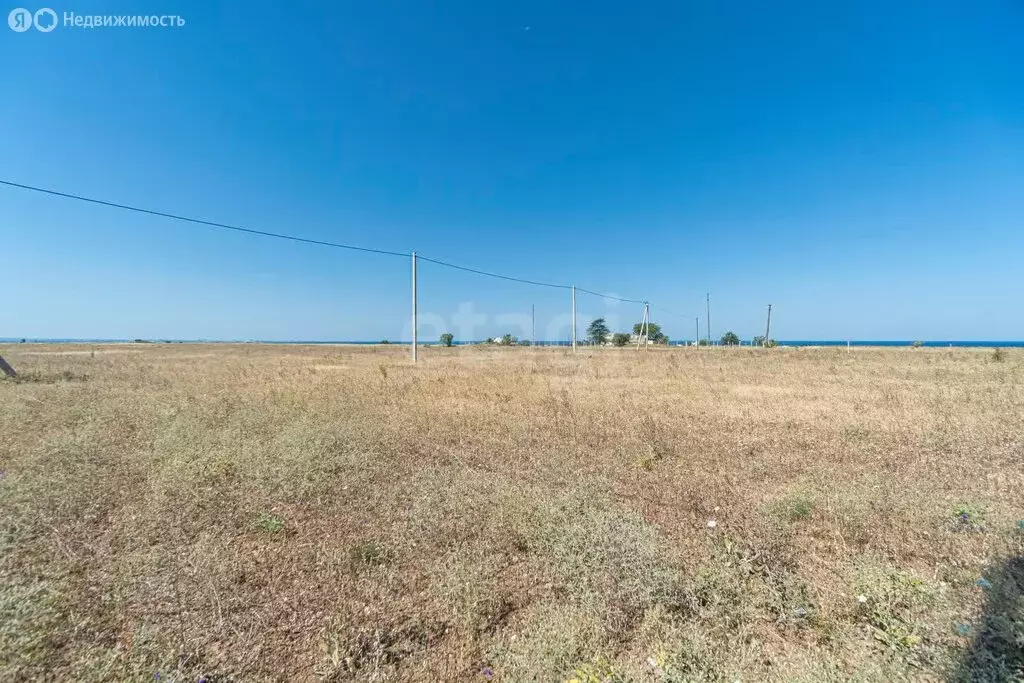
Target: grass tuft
269	522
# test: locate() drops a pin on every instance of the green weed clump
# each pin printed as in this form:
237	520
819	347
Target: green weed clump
370	553
796	508
894	604
968	517
269	522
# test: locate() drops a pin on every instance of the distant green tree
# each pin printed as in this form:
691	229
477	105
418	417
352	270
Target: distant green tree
654	332
918	344
759	340
447	338
730	339
771	344
508	340
702	342
598	331
620	339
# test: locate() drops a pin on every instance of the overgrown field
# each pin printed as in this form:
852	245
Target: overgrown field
272	513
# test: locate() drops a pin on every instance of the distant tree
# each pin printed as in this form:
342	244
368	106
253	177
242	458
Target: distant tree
620	339
447	338
508	340
384	341
759	340
525	342
702	342
771	344
918	344
654	332
730	339
598	331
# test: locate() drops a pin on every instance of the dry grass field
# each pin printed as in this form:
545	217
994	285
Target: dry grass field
276	513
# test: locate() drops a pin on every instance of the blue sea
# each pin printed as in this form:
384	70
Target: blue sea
781	342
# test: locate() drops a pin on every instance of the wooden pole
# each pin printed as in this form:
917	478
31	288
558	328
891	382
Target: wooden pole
768	327
8	370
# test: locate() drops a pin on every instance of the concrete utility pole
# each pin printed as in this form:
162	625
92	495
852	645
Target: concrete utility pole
696	340
533	324
415	314
644	329
647	325
709	318
768	327
574	318
7	369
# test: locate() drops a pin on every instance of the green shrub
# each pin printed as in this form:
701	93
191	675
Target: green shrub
620	339
730	339
447	338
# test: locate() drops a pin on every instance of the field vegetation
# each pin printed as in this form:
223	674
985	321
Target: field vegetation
277	513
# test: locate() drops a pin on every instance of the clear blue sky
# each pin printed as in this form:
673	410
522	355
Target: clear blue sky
858	165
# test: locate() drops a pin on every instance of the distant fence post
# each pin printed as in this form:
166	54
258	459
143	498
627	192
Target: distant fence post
8	370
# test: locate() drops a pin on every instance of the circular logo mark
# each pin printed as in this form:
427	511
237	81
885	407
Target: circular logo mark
19	19
45	20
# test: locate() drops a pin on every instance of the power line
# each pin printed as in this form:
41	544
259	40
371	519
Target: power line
199	221
495	275
608	296
305	240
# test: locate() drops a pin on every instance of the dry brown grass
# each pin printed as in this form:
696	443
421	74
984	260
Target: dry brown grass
259	513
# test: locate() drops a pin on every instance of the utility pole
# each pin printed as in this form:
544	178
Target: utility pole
415	317
6	368
574	318
768	327
696	340
709	318
644	331
533	324
647	325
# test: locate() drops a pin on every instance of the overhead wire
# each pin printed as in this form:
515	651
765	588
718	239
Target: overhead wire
306	240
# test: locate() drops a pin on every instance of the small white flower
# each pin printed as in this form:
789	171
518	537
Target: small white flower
712	524
862	598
